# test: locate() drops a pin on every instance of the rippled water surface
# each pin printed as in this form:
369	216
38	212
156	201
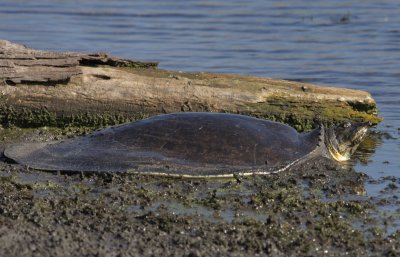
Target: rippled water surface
353	44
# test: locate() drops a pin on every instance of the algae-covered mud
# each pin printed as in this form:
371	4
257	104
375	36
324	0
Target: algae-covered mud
319	208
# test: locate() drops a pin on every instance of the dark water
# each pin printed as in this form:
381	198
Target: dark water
353	44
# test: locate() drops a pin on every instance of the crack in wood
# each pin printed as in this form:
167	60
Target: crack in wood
22	65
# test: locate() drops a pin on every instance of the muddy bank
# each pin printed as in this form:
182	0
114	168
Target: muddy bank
316	209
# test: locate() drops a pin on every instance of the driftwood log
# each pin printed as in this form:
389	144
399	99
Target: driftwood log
41	88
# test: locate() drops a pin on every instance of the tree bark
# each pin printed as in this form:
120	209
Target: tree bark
57	89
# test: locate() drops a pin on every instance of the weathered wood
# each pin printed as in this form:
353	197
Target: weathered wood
19	64
84	92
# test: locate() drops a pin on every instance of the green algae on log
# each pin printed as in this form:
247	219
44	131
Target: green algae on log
40	88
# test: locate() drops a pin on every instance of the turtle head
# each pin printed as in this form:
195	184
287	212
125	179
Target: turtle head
343	139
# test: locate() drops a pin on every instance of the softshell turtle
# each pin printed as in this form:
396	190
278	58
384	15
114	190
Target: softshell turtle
192	145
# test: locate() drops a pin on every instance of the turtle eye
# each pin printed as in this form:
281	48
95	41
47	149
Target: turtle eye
347	125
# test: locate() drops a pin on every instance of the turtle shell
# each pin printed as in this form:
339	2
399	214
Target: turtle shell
183	144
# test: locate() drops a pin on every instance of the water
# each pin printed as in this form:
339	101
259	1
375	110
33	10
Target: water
353	44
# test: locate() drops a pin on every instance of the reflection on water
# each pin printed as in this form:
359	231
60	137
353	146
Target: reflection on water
367	147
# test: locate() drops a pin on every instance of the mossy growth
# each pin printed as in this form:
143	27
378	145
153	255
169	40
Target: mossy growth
32	118
137	64
302	116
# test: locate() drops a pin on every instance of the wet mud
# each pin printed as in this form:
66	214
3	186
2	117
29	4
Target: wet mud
316	209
